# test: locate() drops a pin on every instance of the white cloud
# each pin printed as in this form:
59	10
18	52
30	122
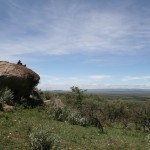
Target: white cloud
88	82
127	78
62	86
57	82
65	31
100	77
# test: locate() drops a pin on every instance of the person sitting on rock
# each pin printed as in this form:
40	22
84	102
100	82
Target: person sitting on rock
19	62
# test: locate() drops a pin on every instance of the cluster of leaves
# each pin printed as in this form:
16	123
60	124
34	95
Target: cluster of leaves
6	96
75	118
141	116
66	114
58	113
44	140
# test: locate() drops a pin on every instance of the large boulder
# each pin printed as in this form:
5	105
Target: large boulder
20	79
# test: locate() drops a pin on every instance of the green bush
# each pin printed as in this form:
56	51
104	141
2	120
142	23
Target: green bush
6	96
66	114
44	140
58	113
75	118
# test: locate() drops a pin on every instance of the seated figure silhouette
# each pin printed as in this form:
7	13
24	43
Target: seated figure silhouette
20	63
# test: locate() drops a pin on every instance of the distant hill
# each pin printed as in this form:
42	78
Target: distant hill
119	91
110	91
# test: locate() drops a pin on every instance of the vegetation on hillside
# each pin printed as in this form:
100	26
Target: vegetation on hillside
86	122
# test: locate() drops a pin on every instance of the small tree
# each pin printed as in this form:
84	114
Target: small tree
79	95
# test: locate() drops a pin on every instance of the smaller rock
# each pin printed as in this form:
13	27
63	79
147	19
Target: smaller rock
47	102
8	108
54	102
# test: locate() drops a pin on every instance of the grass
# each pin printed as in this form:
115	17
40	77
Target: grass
15	128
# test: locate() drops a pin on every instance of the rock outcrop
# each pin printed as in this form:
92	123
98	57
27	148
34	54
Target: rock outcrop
54	102
20	79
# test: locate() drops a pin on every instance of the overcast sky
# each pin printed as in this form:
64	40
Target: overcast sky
85	43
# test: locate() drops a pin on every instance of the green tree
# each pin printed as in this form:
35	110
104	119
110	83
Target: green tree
79	93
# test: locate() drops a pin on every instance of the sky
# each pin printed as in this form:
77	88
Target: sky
92	44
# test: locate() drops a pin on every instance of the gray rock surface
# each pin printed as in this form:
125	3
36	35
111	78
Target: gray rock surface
20	79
